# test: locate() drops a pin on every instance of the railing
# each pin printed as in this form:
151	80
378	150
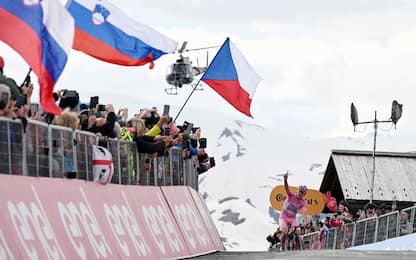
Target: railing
43	150
363	232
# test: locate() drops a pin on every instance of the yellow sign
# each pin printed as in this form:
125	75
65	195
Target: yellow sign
314	198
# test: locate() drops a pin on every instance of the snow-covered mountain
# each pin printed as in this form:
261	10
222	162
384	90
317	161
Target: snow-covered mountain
250	161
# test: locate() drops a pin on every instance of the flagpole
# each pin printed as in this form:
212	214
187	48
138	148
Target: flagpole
187	99
193	90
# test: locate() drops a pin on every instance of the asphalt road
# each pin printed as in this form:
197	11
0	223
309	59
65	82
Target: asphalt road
316	254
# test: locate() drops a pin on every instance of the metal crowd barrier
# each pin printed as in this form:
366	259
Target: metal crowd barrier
11	147
364	231
43	150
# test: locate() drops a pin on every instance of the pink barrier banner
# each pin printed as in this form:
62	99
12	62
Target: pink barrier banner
189	220
206	217
153	211
42	218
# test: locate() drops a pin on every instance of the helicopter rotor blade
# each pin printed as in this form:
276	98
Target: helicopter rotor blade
203	48
183	47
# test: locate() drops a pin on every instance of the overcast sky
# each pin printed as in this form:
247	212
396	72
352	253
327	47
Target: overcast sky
316	57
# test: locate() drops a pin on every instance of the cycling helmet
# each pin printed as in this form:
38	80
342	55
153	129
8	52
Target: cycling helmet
302	189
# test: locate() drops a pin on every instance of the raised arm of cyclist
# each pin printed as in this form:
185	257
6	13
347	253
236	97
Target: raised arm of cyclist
294	202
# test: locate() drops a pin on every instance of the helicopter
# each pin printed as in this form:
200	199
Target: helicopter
182	72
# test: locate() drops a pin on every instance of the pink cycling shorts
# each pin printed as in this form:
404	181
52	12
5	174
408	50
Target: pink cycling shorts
283	221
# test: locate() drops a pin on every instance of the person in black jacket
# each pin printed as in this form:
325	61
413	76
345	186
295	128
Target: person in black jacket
145	143
104	126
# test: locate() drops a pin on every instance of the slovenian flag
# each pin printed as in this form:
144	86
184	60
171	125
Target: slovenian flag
230	75
42	33
106	33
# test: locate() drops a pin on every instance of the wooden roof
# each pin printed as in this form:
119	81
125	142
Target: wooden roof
348	176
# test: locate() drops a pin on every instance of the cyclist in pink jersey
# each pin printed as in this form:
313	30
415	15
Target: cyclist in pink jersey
294	202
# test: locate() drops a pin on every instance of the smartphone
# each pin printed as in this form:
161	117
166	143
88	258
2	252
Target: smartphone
186	144
21	100
188	128
166	131
94	102
34	107
202	142
166	110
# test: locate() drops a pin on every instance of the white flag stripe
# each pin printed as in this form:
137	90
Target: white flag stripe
247	77
59	22
141	31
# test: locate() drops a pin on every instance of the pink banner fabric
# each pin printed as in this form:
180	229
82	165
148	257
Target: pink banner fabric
42	218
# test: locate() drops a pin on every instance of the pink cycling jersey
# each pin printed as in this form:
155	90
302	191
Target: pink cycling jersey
291	206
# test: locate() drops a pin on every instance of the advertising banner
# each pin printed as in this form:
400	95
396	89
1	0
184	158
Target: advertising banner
45	218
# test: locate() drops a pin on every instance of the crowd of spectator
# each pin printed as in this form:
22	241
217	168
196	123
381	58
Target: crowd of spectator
340	220
152	131
343	217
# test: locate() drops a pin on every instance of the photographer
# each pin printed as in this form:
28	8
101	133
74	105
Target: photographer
150	117
100	125
67	99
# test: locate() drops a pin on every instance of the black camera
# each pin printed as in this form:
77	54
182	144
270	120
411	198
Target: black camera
71	99
212	162
202	142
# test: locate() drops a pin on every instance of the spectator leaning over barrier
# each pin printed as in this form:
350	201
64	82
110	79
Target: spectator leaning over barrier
150	116
102	125
145	143
69	119
405	225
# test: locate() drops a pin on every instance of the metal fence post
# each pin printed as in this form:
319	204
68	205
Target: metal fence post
50	151
24	153
353	234
9	147
376	231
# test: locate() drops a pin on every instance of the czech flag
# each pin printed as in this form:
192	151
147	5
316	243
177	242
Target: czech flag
106	33
230	75
42	32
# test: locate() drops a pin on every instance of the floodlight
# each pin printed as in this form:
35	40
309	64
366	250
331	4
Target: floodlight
396	111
